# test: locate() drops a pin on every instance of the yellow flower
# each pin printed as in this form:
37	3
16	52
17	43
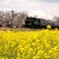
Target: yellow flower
48	27
38	44
36	57
40	52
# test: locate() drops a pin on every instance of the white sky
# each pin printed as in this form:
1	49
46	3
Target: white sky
44	7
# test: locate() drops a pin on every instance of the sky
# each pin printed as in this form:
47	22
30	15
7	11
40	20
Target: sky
41	7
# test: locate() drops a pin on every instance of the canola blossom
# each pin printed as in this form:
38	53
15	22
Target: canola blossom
38	44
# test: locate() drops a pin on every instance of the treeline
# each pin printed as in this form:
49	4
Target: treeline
12	19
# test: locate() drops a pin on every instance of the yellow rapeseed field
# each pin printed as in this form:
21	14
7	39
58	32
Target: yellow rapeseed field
38	44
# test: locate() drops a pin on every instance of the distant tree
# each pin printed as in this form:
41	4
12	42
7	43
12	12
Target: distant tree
12	19
2	20
19	20
9	17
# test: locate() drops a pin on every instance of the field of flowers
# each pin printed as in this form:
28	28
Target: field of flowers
38	44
